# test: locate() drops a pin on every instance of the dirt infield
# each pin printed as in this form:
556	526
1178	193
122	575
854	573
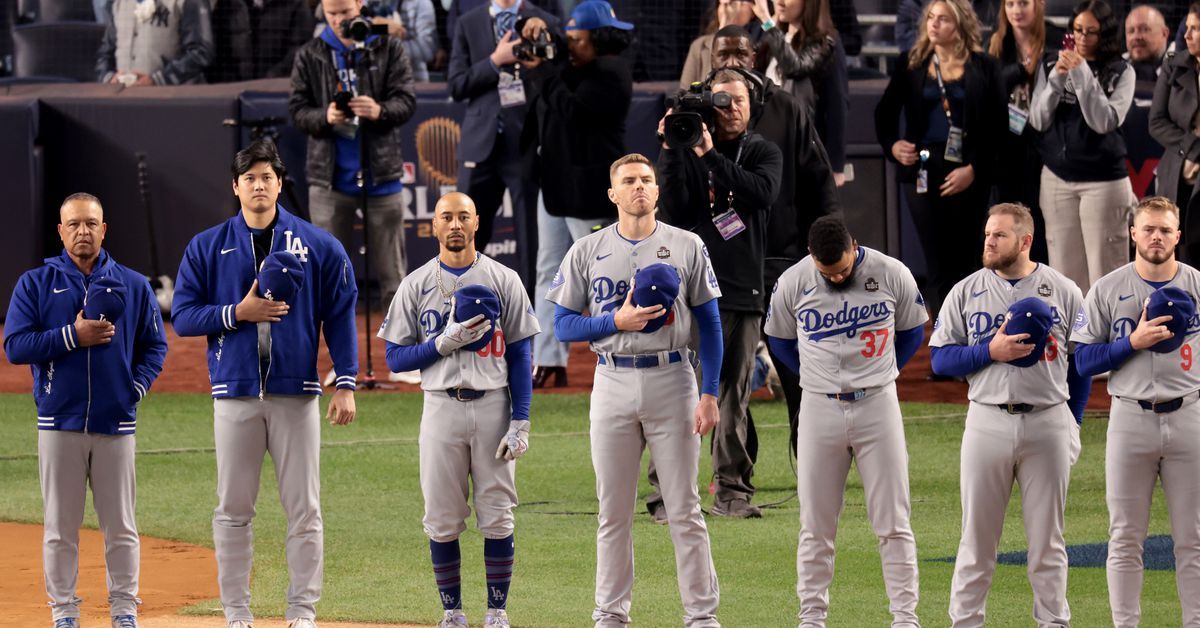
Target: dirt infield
187	371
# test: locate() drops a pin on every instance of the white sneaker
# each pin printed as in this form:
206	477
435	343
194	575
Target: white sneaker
496	617
241	623
453	619
407	377
302	623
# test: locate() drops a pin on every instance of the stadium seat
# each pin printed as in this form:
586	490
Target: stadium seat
62	49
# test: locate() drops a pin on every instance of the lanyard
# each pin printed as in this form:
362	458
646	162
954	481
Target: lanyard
350	83
712	184
937	70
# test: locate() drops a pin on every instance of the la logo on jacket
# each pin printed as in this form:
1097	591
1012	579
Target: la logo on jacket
296	247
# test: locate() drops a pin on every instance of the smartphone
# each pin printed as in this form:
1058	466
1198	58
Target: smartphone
1068	42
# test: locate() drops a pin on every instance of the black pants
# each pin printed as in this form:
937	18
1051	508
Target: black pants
485	184
1019	180
950	229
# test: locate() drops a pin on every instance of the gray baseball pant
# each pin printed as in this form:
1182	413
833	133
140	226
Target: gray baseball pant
246	428
67	463
632	409
869	432
1143	447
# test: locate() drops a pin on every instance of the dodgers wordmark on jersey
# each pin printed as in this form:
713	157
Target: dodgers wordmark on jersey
1112	310
846	335
975	309
596	273
421	310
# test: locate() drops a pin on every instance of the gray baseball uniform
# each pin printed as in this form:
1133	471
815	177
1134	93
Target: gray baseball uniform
458	439
850	412
1144	445
648	403
1036	447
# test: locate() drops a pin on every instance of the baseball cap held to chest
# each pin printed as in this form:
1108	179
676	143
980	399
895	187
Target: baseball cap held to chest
472	300
1032	316
1173	302
105	299
280	277
656	284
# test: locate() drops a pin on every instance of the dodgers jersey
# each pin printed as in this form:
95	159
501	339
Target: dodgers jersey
597	271
975	309
1112	310
846	337
420	311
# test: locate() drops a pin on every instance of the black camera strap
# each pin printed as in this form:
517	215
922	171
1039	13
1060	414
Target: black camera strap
712	183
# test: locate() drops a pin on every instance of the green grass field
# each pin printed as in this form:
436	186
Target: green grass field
377	561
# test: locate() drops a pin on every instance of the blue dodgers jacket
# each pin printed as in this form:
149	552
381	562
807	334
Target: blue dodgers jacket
217	271
84	389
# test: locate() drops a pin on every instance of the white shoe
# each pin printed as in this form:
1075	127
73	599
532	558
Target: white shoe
241	623
453	619
407	377
302	623
496	617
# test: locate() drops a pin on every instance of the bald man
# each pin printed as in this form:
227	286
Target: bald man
1146	39
477	374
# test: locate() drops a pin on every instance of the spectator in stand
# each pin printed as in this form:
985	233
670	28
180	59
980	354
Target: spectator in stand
231	42
723	13
1079	103
1021	39
1175	123
155	42
459	8
413	22
1146	40
951	100
810	64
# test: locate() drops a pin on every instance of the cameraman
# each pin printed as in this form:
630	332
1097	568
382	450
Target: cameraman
576	129
723	189
484	72
326	67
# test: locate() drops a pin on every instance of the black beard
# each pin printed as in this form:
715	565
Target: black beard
455	248
845	283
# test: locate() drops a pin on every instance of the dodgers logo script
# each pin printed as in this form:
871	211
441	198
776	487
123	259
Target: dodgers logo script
605	289
432	321
848	320
983	324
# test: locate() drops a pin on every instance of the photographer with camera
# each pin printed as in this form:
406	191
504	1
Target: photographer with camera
720	181
488	42
576	129
334	104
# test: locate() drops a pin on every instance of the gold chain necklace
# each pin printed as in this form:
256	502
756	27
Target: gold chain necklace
457	280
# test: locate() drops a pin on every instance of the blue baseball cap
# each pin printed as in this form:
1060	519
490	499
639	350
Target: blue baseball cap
280	277
1032	316
1173	302
656	284
592	14
472	300
105	299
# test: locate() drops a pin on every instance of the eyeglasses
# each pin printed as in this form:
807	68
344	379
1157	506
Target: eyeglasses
1079	32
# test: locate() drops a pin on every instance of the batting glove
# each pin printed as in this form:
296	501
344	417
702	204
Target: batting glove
458	335
516	442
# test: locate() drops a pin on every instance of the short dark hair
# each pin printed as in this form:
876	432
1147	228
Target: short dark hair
631	158
1194	8
609	40
732	30
258	151
828	240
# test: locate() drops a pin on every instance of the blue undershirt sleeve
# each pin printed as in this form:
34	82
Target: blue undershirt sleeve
1079	387
907	343
571	326
787	350
519	356
1092	360
401	358
959	360
712	349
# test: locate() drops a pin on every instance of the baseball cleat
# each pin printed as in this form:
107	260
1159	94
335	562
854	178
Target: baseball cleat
124	621
736	508
302	623
658	514
240	623
453	619
66	622
496	617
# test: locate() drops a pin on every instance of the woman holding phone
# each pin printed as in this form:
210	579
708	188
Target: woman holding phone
1079	103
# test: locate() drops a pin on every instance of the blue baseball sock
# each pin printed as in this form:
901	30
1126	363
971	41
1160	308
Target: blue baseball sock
447	559
498	559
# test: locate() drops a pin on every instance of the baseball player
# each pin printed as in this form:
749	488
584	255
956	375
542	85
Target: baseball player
91	332
846	319
645	389
1154	421
1022	423
477	374
262	363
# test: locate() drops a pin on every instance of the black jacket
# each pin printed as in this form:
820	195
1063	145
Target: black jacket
575	130
806	188
985	114
389	81
754	180
1172	116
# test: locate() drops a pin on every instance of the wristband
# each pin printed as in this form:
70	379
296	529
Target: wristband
768	24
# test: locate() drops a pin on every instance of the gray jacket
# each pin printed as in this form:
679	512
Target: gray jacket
1172	116
173	46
